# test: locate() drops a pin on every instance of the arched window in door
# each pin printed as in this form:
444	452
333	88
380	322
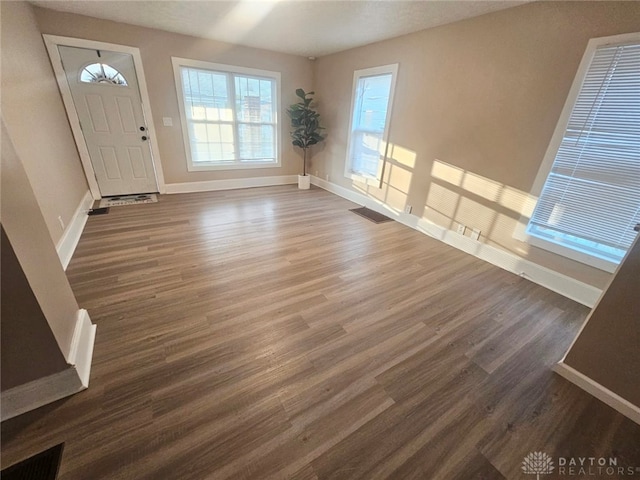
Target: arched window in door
102	73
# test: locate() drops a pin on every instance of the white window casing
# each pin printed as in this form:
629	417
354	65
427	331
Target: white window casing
370	118
588	185
229	115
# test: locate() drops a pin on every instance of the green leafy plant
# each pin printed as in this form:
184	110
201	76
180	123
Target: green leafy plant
305	124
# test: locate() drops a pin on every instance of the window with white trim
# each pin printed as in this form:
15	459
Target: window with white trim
371	103
229	115
590	201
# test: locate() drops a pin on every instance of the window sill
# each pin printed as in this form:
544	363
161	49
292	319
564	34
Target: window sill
232	166
558	249
371	181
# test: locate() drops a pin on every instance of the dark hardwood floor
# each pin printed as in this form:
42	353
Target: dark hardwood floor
271	333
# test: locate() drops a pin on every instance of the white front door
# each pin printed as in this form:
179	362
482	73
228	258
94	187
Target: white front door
105	92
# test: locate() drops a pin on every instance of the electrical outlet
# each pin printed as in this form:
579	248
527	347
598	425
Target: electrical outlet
475	234
61	222
327	178
316	173
167	121
461	229
408	208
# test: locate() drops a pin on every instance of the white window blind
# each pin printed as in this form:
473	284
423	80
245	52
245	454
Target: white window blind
229	117
590	201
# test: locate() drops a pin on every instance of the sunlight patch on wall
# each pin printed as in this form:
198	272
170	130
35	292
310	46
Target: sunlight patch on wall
517	200
359	186
396	199
402	155
477	202
378	193
481	186
475	215
438	218
502	228
396	181
443	203
448	173
399	178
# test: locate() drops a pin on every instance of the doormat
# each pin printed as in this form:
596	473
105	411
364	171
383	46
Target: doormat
42	466
99	211
128	200
372	215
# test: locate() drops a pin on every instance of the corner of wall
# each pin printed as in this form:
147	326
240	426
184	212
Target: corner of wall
602	393
73	379
69	241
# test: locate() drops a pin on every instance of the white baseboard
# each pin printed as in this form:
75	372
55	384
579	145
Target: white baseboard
230	184
71	236
35	394
566	286
603	394
73	379
81	351
569	287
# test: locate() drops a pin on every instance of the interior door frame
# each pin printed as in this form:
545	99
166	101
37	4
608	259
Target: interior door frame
52	42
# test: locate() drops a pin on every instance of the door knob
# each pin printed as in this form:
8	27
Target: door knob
144	137
142	129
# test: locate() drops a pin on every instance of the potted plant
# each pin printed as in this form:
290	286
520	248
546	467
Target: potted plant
305	124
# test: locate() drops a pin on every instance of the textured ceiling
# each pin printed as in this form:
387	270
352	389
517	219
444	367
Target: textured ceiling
308	28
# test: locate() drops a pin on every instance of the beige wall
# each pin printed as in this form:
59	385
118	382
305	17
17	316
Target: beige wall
476	104
36	119
157	48
29	350
608	347
25	227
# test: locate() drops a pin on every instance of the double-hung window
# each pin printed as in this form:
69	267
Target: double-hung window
229	115
590	200
371	103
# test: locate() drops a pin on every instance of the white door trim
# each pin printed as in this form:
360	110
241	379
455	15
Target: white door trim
52	42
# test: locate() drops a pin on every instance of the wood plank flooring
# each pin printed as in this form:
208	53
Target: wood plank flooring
270	333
